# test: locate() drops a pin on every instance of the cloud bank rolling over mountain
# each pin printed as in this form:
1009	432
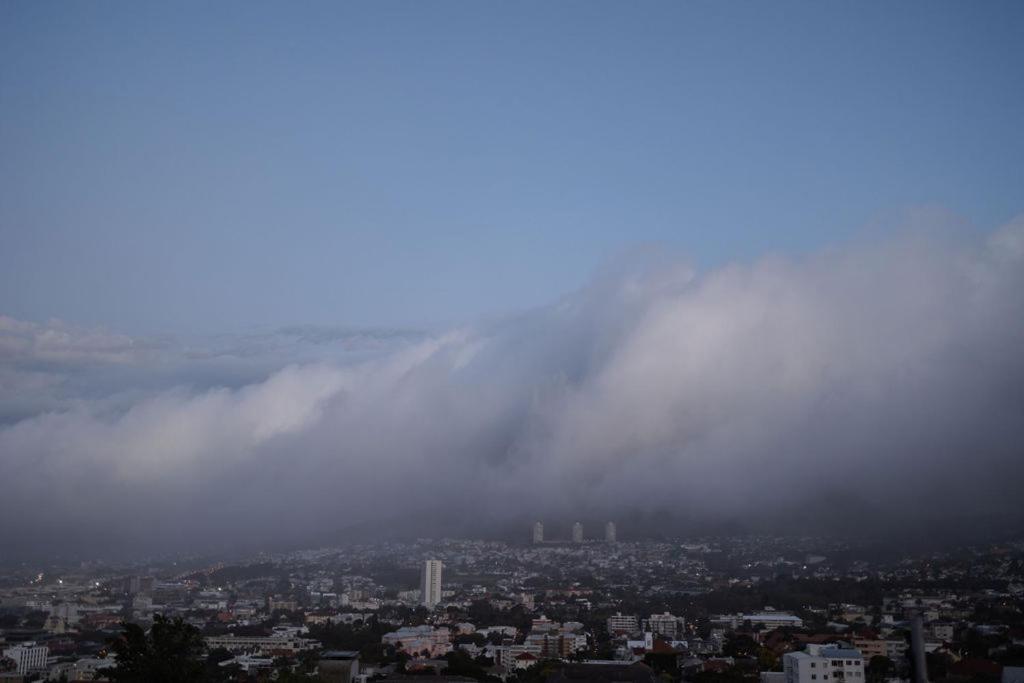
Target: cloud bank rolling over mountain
880	373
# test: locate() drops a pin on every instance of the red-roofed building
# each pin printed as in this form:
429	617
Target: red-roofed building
524	661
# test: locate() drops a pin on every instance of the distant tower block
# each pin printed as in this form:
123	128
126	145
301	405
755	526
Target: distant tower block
609	532
577	533
538	532
430	584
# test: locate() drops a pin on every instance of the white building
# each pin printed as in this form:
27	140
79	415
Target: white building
430	584
415	640
768	619
538	532
824	663
577	533
277	643
28	657
609	533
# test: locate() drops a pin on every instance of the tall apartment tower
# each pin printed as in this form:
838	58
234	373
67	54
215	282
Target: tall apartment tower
538	532
577	533
609	533
430	586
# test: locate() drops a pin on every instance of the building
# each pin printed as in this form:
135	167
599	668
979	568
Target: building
538	532
871	647
136	584
507	655
896	649
542	623
421	641
524	660
28	657
943	631
821	663
553	645
338	666
577	533
609	533
768	620
276	644
620	623
430	584
665	625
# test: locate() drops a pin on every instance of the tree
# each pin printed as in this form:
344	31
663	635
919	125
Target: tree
170	651
879	668
739	645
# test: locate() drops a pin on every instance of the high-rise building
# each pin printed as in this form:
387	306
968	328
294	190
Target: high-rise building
430	586
609	532
538	532
577	533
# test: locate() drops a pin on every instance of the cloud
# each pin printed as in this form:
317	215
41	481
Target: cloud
56	342
877	378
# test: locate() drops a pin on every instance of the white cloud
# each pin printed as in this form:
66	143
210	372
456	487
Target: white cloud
881	370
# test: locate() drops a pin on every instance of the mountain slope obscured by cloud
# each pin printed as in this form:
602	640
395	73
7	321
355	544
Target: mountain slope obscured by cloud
892	374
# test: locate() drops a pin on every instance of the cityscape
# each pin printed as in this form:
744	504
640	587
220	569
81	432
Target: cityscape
546	341
709	610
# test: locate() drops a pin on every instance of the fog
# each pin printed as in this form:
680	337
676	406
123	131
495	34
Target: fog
864	383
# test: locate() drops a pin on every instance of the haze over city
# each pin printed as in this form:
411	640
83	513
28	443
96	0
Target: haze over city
574	341
275	275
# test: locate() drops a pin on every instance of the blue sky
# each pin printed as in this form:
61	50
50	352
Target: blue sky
217	166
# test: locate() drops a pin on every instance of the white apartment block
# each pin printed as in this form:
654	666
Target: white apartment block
824	664
28	657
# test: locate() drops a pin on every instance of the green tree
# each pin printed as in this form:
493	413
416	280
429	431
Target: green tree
879	669
171	651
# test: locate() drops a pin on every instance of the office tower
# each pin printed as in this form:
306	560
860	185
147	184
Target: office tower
430	586
577	533
609	532
538	532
